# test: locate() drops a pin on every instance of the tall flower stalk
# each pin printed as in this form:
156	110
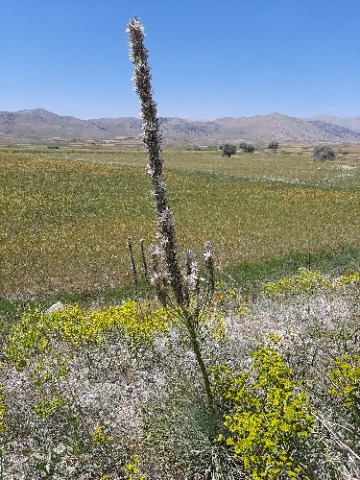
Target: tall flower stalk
152	140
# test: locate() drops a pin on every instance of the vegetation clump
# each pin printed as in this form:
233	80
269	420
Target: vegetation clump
109	385
246	147
228	149
309	281
36	331
345	386
323	153
268	419
273	146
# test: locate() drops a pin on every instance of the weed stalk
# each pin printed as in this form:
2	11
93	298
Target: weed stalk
133	265
152	140
144	262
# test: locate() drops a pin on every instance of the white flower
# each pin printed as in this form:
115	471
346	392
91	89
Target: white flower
193	278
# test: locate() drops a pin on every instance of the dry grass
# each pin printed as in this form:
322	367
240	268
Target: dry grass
66	214
65	223
149	398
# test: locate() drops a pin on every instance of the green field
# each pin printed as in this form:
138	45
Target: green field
249	379
66	214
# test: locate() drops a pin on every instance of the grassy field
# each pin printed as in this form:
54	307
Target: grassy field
246	380
66	214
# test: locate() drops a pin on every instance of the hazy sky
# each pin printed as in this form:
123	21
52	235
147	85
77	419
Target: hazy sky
209	58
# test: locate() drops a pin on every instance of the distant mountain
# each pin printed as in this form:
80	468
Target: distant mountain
353	123
39	124
282	128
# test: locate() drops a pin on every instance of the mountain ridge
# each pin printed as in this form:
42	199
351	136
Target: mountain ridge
40	124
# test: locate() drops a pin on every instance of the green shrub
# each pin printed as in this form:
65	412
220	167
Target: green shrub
306	281
247	147
345	378
323	153
36	330
309	282
273	146
268	419
228	149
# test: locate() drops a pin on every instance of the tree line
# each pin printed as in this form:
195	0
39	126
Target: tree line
320	153
229	149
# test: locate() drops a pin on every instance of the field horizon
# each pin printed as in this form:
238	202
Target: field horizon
40	125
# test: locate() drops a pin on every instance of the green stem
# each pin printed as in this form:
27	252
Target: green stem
189	323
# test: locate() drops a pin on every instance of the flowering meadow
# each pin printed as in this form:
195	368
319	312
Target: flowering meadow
116	392
237	379
66	215
241	381
213	365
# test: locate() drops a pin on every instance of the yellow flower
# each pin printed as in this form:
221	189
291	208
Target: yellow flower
100	438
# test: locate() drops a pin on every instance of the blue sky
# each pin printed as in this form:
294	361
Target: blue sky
209	58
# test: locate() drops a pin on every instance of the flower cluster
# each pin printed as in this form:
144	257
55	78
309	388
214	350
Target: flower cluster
152	143
268	417
2	412
345	379
308	281
48	406
35	332
133	469
99	437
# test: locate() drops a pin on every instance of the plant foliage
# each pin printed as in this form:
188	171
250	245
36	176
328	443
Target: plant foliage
323	153
228	149
269	419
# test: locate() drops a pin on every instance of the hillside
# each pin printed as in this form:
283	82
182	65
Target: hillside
40	124
353	123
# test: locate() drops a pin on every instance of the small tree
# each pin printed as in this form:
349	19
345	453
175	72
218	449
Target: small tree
273	146
323	153
228	149
247	147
